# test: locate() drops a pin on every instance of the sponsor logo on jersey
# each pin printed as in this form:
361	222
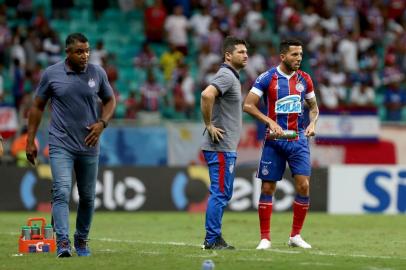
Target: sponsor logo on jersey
288	104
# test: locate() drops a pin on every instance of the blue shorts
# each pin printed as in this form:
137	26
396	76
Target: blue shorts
275	154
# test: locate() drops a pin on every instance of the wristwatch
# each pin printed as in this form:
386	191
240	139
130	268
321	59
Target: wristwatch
105	124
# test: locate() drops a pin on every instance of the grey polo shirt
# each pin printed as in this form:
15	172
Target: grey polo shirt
227	111
75	104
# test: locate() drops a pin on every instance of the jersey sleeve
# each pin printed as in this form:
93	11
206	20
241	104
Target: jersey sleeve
43	90
222	81
310	87
105	91
261	84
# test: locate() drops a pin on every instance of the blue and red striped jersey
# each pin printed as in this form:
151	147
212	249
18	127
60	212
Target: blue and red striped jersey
284	96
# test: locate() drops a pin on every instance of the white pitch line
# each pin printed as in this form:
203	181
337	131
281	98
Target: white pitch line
203	255
275	250
321	253
107	250
316	263
10	233
170	243
155	253
378	268
145	242
255	259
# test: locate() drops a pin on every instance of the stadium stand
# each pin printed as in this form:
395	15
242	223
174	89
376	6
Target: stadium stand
365	39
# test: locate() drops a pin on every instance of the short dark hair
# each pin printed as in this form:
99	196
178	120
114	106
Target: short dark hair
285	44
230	42
72	38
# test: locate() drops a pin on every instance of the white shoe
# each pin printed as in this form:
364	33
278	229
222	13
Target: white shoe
297	241
264	244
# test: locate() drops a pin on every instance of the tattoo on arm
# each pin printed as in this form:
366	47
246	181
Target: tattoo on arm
313	109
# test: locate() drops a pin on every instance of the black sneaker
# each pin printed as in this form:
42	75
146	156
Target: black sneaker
220	243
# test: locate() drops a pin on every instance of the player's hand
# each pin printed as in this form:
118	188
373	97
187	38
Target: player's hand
310	130
31	152
216	134
95	131
274	128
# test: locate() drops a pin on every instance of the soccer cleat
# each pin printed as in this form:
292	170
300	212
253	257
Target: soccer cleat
81	247
220	243
264	244
297	241
63	249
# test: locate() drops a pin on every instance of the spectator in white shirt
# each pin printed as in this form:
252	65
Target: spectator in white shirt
97	55
362	95
348	51
331	97
254	17
200	23
176	27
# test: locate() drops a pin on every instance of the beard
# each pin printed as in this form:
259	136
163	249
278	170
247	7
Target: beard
290	66
239	65
77	66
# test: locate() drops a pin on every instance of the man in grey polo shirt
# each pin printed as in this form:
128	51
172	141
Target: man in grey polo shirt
82	103
221	107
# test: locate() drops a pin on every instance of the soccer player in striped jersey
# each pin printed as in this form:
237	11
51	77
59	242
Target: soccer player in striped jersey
284	90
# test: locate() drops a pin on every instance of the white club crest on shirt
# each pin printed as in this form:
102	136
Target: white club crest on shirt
231	168
91	83
299	87
265	170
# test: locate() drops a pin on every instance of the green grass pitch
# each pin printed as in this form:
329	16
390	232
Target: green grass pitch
158	240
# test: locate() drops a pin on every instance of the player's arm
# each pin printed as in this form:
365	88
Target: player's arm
207	100
95	130
313	116
251	107
108	99
34	119
108	108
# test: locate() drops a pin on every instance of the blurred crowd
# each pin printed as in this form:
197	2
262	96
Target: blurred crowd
354	50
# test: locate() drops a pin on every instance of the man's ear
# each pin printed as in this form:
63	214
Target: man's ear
227	54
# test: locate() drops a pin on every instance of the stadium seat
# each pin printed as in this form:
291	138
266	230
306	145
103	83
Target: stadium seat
159	48
111	15
46	4
379	100
122	87
404	114
83	4
120	110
